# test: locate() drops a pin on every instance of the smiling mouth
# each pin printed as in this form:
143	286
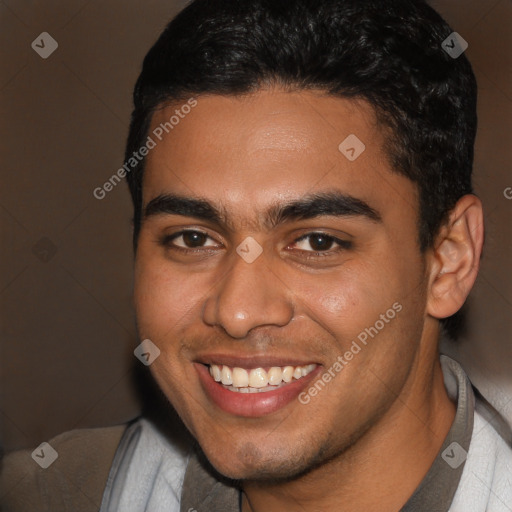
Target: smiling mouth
257	380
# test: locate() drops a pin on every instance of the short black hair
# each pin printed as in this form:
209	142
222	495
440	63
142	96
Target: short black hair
387	52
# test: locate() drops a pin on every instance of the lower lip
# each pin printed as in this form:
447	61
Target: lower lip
251	405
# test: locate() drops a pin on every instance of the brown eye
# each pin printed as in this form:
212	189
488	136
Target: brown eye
320	242
316	242
194	239
189	240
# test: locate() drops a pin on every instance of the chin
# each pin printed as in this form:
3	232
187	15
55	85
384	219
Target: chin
251	462
275	472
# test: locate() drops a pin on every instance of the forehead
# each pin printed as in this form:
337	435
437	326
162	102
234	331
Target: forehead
249	151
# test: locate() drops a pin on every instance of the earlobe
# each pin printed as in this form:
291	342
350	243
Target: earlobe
456	258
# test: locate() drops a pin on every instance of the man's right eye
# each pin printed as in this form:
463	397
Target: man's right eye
188	239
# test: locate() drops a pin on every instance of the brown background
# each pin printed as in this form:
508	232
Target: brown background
67	325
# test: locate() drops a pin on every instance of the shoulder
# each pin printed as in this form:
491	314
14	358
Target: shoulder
67	473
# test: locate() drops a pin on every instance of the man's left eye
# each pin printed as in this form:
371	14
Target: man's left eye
319	242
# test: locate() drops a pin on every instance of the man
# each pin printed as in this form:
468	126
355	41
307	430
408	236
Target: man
304	225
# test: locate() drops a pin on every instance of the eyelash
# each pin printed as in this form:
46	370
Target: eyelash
167	240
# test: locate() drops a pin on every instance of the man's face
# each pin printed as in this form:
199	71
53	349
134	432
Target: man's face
338	241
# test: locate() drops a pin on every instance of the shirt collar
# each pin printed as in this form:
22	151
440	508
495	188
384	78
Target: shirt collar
438	487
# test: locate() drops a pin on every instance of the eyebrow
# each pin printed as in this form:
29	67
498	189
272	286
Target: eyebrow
334	204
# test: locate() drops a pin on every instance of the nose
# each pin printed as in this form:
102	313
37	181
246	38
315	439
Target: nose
250	295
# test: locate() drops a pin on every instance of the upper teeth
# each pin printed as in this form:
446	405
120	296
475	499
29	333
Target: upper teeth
258	377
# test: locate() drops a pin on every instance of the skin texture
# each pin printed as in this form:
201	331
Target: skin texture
368	438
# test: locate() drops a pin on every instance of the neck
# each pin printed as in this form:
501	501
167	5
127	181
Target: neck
383	469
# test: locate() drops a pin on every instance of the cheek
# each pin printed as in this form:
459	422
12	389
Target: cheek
333	303
348	302
164	299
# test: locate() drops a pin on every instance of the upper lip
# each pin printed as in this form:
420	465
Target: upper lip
252	361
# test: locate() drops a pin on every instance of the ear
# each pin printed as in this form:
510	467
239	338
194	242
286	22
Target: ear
455	258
